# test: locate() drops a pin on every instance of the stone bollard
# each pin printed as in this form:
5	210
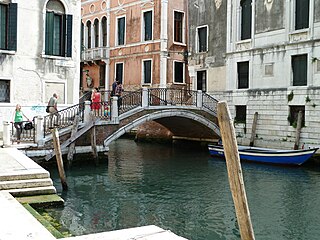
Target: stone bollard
145	102
6	134
114	110
39	134
86	113
199	99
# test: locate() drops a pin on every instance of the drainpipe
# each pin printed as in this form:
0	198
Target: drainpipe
164	44
6	134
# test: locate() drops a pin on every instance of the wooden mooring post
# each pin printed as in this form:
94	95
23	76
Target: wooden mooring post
234	171
298	131
57	149
254	127
94	144
73	144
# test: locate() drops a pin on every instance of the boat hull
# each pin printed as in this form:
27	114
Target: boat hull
263	155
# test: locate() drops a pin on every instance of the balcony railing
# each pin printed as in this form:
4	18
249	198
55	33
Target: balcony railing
95	54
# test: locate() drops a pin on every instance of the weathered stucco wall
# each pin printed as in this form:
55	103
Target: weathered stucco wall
269	16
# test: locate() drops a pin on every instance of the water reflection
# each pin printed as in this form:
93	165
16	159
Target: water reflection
186	191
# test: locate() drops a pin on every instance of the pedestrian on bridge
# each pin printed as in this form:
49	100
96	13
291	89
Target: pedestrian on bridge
95	101
18	121
118	93
53	110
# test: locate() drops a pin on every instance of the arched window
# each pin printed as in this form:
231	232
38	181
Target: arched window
96	33
104	31
82	37
89	34
58	30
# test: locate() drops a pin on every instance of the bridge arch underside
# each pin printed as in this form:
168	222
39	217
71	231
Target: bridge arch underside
182	123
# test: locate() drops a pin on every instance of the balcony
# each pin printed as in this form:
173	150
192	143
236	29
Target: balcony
92	54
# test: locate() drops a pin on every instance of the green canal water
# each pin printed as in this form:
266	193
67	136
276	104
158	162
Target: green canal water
184	190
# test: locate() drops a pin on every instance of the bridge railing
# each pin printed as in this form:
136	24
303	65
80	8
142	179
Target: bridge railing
171	96
209	102
63	118
129	100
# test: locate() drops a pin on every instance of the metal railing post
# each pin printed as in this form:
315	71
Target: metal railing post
6	133
199	99
39	131
86	113
114	110
145	102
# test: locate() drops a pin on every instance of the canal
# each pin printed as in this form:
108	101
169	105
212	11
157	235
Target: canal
184	190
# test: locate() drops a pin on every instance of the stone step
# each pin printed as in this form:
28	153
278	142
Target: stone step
27	183
12	176
22	192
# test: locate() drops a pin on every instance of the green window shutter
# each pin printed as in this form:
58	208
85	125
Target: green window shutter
12	26
302	14
246	13
3	26
148	26
299	70
49	33
147	71
69	36
243	75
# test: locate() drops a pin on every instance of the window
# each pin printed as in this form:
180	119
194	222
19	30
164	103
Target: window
147	30
202	38
4	91
241	114
146	71
202	81
102	75
302	14
243	75
121	28
299	70
104	31
8	26
293	115
119	72
58	40
246	14
89	34
178	72
82	37
96	33
178	26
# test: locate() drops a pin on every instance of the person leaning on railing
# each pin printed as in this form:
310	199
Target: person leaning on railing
18	121
53	109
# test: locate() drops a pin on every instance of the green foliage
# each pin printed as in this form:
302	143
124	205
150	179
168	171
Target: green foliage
290	96
308	99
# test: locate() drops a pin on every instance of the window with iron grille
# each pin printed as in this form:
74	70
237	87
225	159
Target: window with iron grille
246	15
243	75
58	29
4	91
302	14
8	26
178	72
202	39
178	26
147	18
299	70
121	28
241	114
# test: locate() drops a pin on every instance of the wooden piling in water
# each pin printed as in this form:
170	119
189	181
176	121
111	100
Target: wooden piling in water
234	171
73	144
298	131
254	127
94	144
57	149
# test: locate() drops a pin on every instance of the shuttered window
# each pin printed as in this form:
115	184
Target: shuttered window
178	27
302	14
202	81
147	71
178	72
119	72
246	15
58	40
299	70
8	26
147	17
202	39
243	75
121	30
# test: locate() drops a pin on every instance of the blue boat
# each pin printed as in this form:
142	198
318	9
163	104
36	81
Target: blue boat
267	155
